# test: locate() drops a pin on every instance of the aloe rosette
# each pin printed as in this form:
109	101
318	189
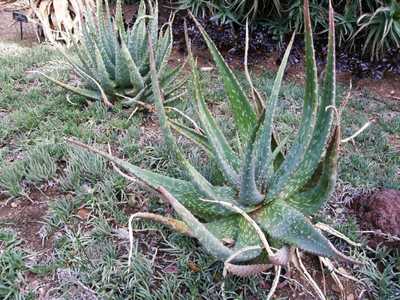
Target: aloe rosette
268	196
113	62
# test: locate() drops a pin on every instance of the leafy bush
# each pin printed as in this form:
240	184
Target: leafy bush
381	29
371	23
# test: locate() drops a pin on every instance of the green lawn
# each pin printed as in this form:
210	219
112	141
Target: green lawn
86	205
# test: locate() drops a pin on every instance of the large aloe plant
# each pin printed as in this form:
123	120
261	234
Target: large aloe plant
266	194
114	62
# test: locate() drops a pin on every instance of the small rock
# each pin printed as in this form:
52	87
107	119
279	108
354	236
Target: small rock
14	204
83	213
392	92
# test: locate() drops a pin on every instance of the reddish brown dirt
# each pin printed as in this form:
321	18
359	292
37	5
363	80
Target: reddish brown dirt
388	87
26	217
379	215
10	31
299	288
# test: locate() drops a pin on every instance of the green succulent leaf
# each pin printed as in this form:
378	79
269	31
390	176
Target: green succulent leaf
198	180
311	101
322	183
323	124
128	73
238	234
119	20
266	132
193	135
103	42
227	159
103	76
137	42
285	223
164	47
249	194
243	112
80	91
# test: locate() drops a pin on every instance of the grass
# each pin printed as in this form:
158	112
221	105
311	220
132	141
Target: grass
89	205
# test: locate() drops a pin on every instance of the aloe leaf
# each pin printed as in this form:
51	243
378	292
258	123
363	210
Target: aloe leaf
243	113
137	34
119	19
85	60
168	77
197	179
247	235
213	245
226	158
88	43
280	157
164	48
288	225
137	43
193	135
83	92
171	89
264	150
128	71
324	120
249	195
312	199
184	191
96	38
237	231
110	33
102	74
275	158
153	22
136	98
103	42
122	71
311	101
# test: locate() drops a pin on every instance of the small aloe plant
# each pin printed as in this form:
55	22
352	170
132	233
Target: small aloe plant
268	196
114	62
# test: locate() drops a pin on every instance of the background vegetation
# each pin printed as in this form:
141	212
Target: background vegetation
374	24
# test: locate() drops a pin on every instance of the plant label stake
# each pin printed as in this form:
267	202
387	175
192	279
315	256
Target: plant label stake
21	18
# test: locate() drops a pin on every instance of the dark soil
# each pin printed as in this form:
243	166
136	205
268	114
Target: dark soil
379	215
380	77
231	40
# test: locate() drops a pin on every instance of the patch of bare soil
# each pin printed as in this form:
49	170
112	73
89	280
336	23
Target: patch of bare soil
293	285
26	217
10	30
388	87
